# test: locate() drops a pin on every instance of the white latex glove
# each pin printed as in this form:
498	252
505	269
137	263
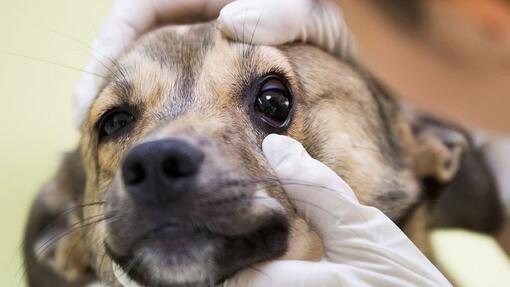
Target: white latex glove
363	247
276	22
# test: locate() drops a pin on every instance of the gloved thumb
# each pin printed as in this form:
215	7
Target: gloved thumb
314	188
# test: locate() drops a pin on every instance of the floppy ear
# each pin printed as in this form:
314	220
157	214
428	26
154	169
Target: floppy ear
456	177
54	254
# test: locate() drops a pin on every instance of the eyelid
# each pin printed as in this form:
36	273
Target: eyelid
283	85
281	78
116	109
103	115
273	84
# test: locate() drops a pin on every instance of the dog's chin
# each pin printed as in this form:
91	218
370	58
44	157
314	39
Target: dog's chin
176	257
170	257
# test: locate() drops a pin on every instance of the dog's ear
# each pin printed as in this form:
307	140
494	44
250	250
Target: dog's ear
54	251
455	176
438	149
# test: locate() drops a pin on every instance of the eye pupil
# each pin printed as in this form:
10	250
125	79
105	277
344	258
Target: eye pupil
274	103
117	122
114	121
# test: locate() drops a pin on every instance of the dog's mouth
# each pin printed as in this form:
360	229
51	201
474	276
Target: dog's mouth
168	249
192	255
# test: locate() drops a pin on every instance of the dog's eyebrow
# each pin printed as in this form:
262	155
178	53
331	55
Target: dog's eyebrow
122	87
120	83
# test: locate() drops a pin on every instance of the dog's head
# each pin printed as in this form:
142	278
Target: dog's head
177	191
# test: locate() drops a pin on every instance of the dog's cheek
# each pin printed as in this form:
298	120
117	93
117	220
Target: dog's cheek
55	253
304	243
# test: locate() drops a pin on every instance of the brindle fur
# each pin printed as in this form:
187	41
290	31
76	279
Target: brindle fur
189	82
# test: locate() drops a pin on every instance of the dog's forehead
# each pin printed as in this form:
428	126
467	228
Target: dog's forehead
174	68
187	60
181	47
167	60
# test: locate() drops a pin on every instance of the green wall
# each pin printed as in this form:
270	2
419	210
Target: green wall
35	104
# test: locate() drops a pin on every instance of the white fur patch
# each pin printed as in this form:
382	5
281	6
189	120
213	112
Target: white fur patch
178	272
121	276
265	204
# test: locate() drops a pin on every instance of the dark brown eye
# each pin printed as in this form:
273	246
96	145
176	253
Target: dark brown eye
113	122
274	102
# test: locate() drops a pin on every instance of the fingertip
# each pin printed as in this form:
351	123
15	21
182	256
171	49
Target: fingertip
279	149
274	142
226	21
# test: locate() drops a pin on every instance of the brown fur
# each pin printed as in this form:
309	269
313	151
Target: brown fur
193	84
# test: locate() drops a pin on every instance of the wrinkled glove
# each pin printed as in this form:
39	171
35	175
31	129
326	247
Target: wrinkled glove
362	246
270	22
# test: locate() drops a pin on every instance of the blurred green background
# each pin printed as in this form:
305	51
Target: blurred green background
41	44
35	104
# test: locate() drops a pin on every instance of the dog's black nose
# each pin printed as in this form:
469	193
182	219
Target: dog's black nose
159	171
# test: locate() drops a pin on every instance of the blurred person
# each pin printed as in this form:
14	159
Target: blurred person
450	57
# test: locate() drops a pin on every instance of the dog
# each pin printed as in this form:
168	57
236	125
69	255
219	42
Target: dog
169	183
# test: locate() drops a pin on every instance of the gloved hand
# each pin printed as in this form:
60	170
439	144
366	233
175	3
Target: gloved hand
270	22
362	246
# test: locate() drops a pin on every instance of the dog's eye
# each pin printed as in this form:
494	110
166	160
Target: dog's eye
114	121
274	102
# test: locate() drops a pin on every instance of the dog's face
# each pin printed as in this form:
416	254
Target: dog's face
177	189
173	145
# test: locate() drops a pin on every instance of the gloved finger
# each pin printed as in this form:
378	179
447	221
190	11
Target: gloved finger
266	22
289	273
315	189
269	22
325	201
360	235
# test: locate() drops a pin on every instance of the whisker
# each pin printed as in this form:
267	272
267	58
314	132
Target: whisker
257	24
69	210
52	63
73	228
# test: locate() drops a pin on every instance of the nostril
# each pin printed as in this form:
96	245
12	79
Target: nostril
159	171
175	168
133	174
